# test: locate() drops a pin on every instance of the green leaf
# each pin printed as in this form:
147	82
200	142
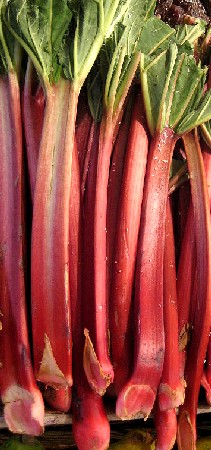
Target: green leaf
172	86
155	36
10	51
197	116
206	132
188	90
156	79
122	50
190	33
40	27
94	20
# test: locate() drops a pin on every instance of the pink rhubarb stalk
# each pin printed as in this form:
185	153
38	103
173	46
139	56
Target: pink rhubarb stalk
23	404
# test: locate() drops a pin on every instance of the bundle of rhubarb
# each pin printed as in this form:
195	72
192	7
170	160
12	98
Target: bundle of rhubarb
105	257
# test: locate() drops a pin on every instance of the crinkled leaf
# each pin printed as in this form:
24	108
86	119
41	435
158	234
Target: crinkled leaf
197	116
157	75
94	19
40	27
172	86
190	33
188	90
121	50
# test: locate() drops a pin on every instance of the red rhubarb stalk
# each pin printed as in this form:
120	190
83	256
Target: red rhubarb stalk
33	115
166	428
202	318
172	386
33	103
206	378
82	131
51	325
23	404
51	319
185	282
166	123
138	395
90	424
114	188
125	245
97	364
171	389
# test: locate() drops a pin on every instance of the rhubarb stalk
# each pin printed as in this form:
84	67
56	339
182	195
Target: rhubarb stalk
23	404
166	123
125	246
202	317
120	56
86	26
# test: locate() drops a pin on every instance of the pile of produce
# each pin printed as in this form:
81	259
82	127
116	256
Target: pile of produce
105	232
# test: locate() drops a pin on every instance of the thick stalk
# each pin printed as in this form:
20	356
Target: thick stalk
23	404
202	318
51	318
138	395
125	246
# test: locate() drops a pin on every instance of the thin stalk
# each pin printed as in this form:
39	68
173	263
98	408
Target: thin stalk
172	386
202	318
33	105
125	245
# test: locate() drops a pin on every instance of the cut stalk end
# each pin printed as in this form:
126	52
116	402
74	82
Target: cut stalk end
133	400
23	412
171	398
49	371
98	378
